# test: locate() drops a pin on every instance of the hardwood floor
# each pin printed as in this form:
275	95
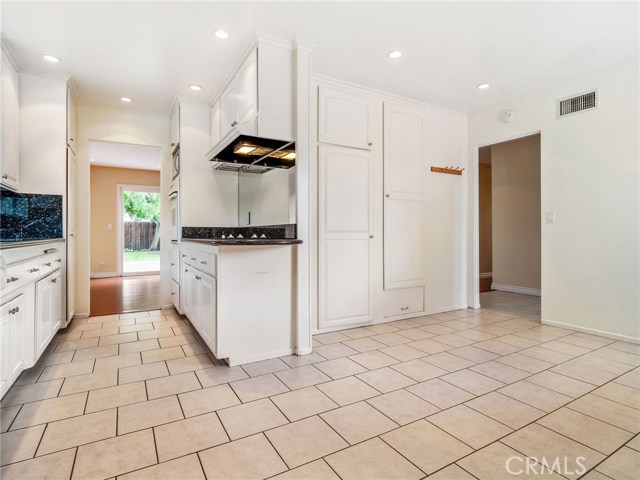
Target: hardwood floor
485	284
124	294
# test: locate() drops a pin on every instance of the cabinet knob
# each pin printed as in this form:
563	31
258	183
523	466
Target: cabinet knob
370	144
13	311
33	270
370	236
173	144
59	260
203	262
186	270
173	264
198	278
71	139
12	279
4	177
387	195
48	264
172	293
193	258
54	280
404	308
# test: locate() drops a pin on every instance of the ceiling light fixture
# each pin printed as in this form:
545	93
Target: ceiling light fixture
126	99
482	86
221	34
195	88
289	156
50	58
245	149
395	54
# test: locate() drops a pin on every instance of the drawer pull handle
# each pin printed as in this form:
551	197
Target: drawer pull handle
172	293
198	278
203	262
173	264
184	256
4	177
50	250
186	270
193	258
59	260
404	308
13	311
12	279
54	280
33	270
48	264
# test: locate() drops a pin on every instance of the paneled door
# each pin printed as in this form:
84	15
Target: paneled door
404	178
346	236
345	118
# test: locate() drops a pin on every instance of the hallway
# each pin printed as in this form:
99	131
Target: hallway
124	294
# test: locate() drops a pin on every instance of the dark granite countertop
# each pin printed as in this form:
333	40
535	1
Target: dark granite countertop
244	241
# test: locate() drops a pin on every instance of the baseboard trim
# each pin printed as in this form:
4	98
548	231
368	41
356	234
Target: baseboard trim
104	275
593	331
80	315
514	289
486	275
304	351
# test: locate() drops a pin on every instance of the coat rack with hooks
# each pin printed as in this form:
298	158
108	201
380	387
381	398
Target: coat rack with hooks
449	170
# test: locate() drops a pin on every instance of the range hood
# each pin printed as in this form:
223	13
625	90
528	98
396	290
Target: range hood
241	152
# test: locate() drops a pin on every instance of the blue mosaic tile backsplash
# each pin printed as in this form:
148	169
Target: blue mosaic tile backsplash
29	216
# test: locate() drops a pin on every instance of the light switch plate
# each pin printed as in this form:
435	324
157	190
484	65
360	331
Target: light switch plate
550	217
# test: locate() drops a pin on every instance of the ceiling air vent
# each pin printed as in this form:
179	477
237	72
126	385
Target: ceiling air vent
577	103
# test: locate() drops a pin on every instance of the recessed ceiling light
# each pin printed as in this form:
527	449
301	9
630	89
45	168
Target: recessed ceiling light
50	58
195	88
221	34
395	54
482	86
126	99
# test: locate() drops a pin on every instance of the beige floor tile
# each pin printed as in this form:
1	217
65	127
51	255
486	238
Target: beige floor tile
365	344
139	416
155	333
403	353
95	352
535	395
332	337
303	403
501	372
142	346
391	339
249	418
114	363
561	384
258	387
473	354
66	370
7	415
348	390
194	349
630	379
584	372
125	316
453	472
402	407
136	328
470	426
437	329
172	385
426	446
301	377
546	355
430	346
358	422
76	431
517	341
415	334
439	393
20	444
372	459
50	410
472	382
537	441
505	409
496	461
185	468
302	360
359	332
499	348
31	393
318	470
115	456
335	350
305	440
527	364
91	381
454	340
120	338
177	340
634	443
56	358
620	393
608	411
419	370
207	400
162	354
340	367
562	347
117	396
189	364
218	375
229	461
593	433
105	331
142	372
189	436
76	345
622	465
591	343
447	361
382	328
385	379
56	466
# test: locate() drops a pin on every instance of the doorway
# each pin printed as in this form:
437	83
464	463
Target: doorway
509	217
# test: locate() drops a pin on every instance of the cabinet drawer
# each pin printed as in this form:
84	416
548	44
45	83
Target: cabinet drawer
403	301
19	274
205	262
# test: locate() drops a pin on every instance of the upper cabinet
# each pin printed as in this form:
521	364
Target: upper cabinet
71	122
175	127
345	118
239	101
215	123
9	163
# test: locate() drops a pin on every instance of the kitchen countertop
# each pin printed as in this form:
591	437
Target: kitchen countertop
28	243
244	241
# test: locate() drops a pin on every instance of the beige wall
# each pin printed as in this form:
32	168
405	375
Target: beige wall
484	204
104	211
515	178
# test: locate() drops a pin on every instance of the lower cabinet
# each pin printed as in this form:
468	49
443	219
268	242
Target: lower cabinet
48	309
200	304
12	328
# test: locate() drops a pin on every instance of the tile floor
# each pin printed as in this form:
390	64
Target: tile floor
451	396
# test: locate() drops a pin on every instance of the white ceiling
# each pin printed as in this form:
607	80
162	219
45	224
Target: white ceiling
124	155
151	51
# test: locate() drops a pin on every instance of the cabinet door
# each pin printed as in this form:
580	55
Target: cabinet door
56	303
5	347
11	342
207	318
246	81
44	308
175	295
404	176
345	118
71	121
215	124
175	127
175	263
346	255
193	296
227	109
71	236
9	163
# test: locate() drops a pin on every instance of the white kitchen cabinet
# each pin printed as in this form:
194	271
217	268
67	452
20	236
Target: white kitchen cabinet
239	101
216	134
175	295
404	173
348	265
9	163
72	169
175	263
175	127
48	316
345	118
200	303
71	121
12	338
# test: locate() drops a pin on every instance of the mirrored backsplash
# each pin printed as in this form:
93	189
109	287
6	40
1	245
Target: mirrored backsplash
267	198
29	216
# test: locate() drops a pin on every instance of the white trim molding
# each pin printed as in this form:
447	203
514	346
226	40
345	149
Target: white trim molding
486	275
104	274
592	331
515	289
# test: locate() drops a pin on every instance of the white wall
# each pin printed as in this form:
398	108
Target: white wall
590	179
119	126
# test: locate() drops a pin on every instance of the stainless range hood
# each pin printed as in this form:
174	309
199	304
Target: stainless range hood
243	152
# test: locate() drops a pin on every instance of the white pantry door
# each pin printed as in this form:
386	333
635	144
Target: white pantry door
346	228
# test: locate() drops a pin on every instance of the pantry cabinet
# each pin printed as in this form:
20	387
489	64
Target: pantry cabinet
9	163
12	351
345	118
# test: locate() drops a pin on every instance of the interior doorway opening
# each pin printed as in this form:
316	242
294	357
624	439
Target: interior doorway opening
139	227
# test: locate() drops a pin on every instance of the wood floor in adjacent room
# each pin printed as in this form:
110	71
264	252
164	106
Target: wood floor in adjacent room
124	294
